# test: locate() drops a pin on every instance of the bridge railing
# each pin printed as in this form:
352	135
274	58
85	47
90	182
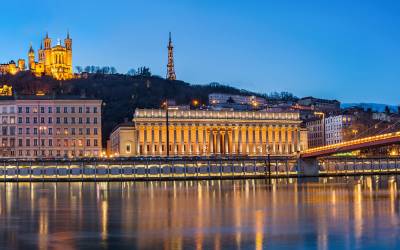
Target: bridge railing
352	142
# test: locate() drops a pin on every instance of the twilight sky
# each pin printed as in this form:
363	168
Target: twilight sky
348	50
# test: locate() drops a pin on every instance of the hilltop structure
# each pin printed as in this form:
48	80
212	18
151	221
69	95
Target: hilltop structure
54	61
170	66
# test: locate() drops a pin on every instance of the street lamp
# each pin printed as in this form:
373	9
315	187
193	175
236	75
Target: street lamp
165	104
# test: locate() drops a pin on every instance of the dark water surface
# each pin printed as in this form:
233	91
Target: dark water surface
324	213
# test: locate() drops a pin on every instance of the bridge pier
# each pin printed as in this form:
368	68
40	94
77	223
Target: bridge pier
307	167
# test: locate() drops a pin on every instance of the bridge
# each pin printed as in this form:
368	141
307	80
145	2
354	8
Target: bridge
367	142
308	158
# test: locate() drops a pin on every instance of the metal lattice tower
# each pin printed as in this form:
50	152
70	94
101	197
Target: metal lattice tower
170	66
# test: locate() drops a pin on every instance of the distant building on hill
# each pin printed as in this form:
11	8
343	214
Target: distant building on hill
218	99
323	105
54	61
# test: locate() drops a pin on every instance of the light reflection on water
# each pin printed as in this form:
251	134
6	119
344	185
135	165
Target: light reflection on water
324	213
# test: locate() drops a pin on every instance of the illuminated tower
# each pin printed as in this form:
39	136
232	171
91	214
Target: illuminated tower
170	66
68	47
31	58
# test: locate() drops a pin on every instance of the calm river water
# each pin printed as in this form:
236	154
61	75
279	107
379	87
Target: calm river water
324	213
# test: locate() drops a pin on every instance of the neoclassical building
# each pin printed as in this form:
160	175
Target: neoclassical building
205	133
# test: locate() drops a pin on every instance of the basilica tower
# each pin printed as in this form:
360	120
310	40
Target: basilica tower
31	58
170	66
68	47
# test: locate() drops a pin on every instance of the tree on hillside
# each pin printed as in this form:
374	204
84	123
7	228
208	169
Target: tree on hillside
79	69
131	72
113	70
387	110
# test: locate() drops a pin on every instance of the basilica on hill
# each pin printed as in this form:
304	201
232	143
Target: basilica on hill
54	61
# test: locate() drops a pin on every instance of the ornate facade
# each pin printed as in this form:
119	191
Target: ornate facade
54	61
205	133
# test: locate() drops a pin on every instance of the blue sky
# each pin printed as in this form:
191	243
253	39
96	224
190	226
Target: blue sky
348	50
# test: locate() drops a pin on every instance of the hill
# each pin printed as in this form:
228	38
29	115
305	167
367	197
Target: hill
121	94
377	107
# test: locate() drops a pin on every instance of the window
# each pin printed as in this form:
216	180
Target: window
73	131
58	131
41	120
87	120
128	148
19	120
50	131
50	120
88	131
80	131
80	120
65	120
73	120
95	131
58	120
65	109
42	110
28	131
42	142
19	142
65	131
27	110
50	110
20	131
80	109
27	120
72	109
28	143
34	120
35	131
20	110
95	110
95	142
87	110
58	109
95	120
88	142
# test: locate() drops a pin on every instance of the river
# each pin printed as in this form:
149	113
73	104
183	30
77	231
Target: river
321	213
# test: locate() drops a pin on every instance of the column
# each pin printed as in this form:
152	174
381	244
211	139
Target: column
229	142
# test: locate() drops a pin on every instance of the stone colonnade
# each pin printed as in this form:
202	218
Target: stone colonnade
217	139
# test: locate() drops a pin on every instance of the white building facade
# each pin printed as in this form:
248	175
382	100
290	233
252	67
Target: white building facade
334	126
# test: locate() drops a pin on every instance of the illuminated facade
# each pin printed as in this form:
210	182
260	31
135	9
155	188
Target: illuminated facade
6	90
43	127
205	133
122	140
53	61
12	67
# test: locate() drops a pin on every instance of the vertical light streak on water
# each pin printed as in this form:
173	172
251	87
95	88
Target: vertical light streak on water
358	212
237	217
199	217
43	222
259	229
